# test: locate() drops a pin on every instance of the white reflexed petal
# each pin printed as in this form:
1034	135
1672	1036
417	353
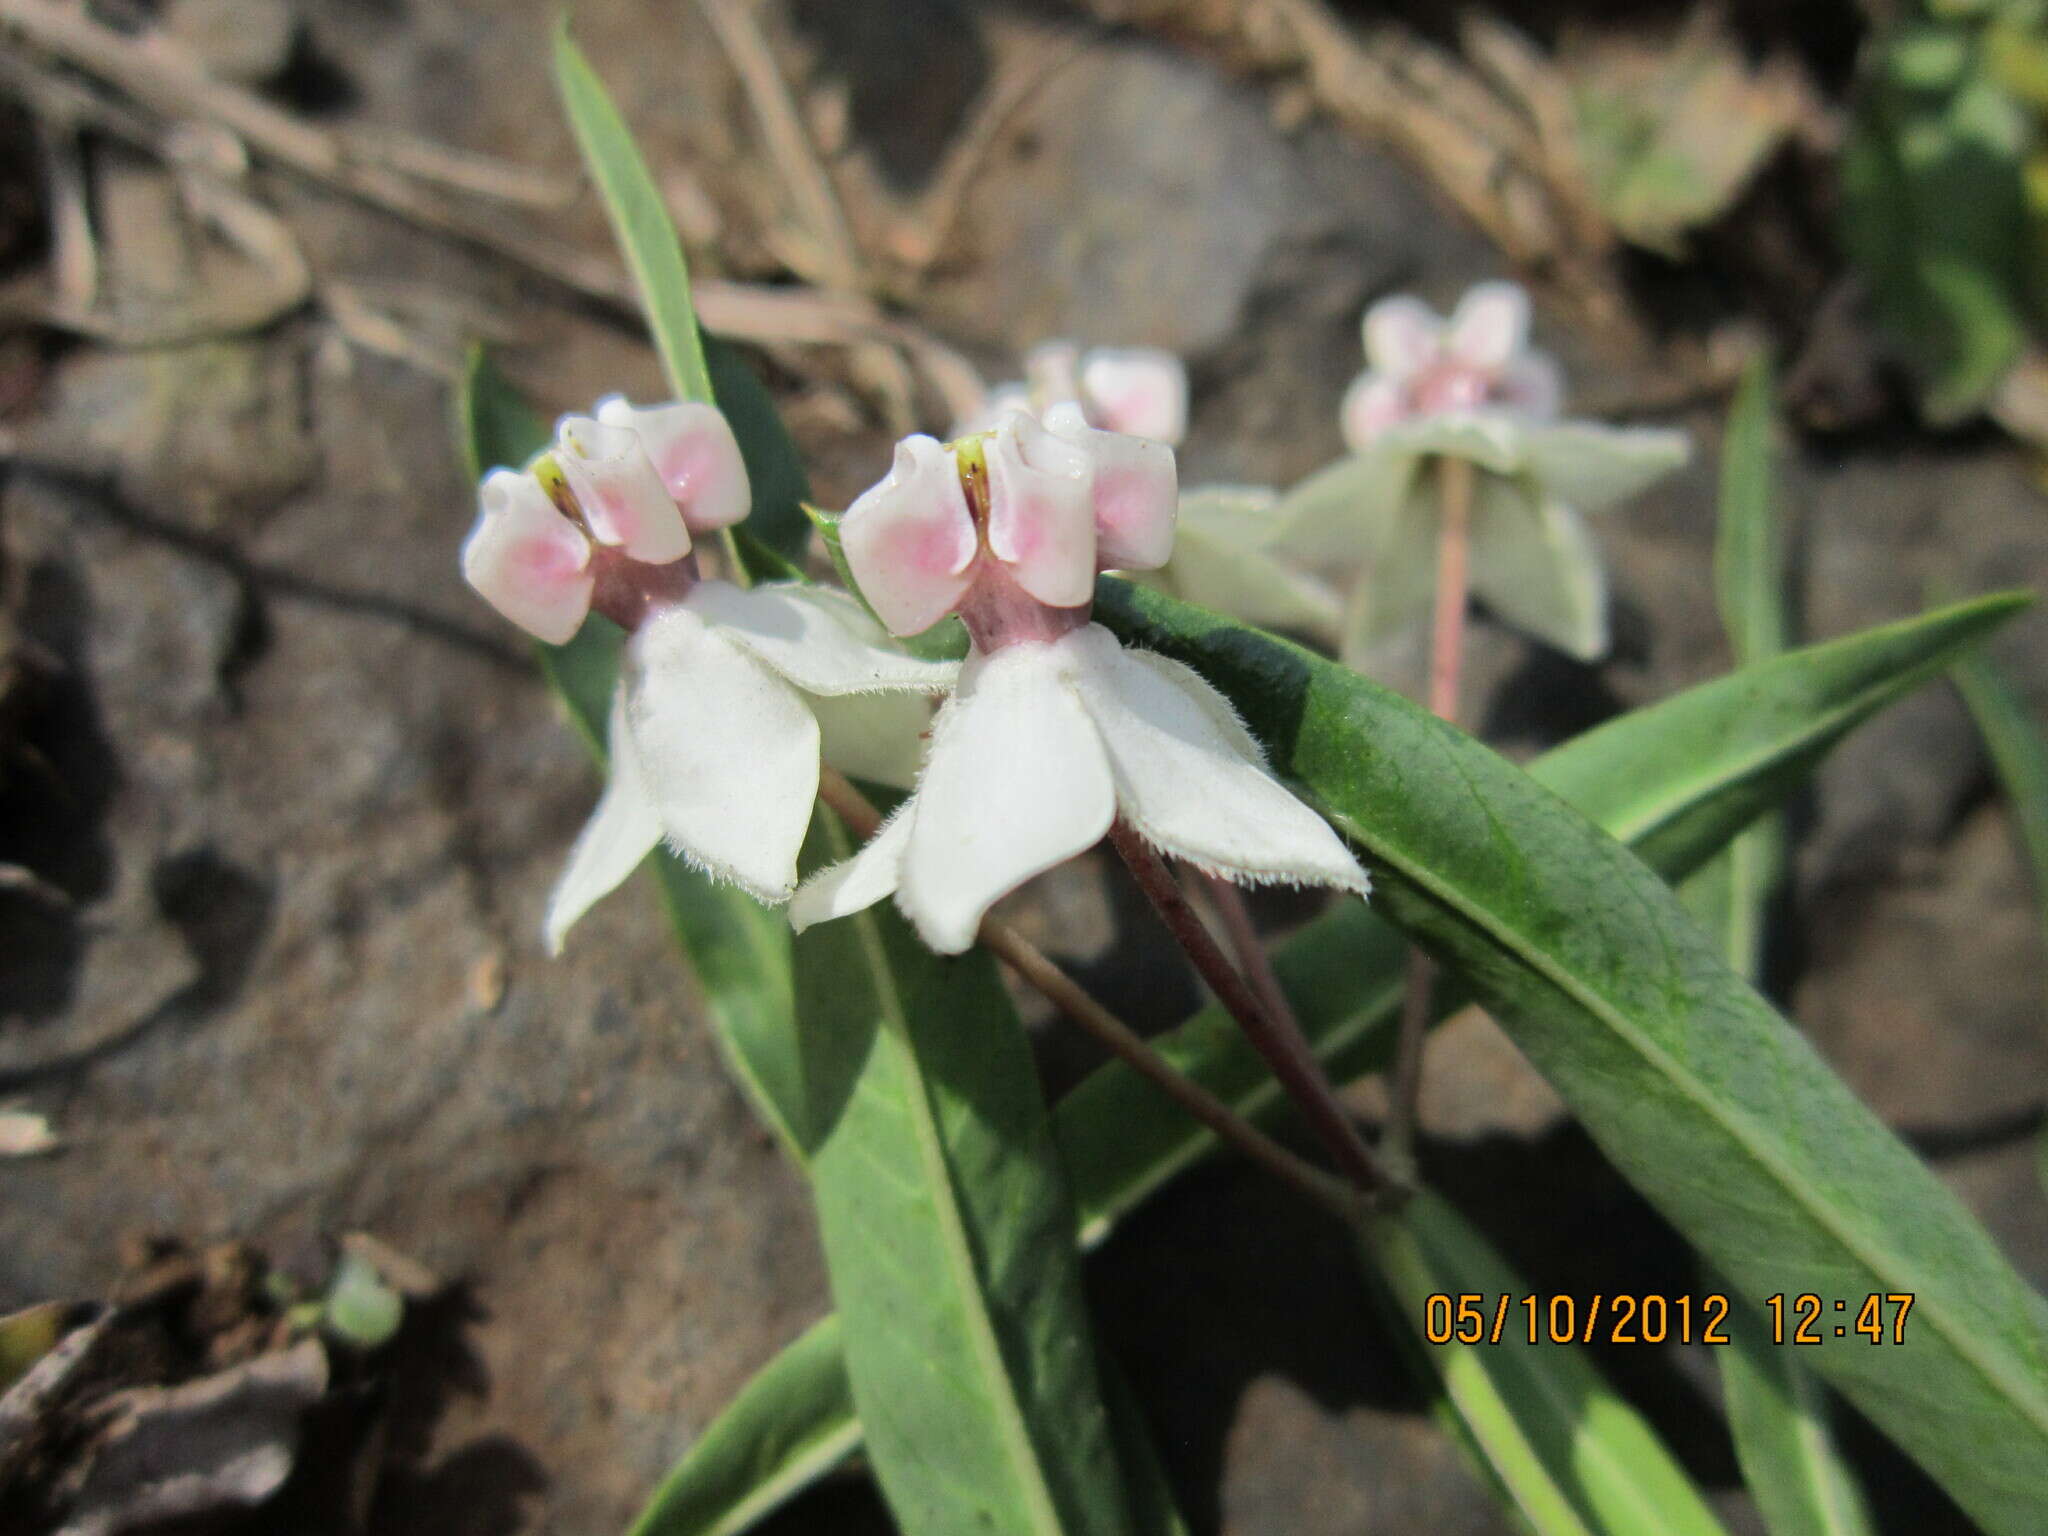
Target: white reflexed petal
694	452
1494	440
1192	781
910	540
728	752
622	498
1041	517
1489	326
1403	335
527	560
621	832
818	638
1220	560
1592	466
879	737
1536	565
1139	390
1135	489
1333	518
1397	587
1373	404
855	884
1017	782
1532	385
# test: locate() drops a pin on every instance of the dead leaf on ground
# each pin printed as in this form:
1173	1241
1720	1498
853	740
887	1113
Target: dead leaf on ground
225	1441
1672	128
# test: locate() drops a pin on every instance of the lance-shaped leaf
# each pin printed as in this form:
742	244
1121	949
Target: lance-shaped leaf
789	1426
646	235
949	1236
1722	1115
1567	1453
2019	753
1778	1415
1777	1411
1675	779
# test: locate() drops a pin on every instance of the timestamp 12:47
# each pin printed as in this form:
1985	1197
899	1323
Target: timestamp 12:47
1806	1319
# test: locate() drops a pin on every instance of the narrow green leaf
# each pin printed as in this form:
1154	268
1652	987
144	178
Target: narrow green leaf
1778	1414
1567	1452
1749	543
1670	779
1675	781
1777	1411
775	470
646	234
792	1423
1717	1111
2019	753
949	1236
495	427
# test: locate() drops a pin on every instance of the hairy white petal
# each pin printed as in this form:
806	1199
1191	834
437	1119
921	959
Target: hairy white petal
1403	335
621	832
1536	565
820	639
1192	782
527	560
693	450
1139	390
855	884
1489	326
879	737
728	752
1041	511
1592	467
1017	782
622	498
910	540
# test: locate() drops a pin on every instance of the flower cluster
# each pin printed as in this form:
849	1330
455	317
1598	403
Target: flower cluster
1055	730
1052	731
727	693
1469	388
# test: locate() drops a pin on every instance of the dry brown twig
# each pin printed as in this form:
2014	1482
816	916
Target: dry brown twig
168	83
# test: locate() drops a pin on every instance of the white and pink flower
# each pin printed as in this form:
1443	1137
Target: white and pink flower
1055	730
1419	365
1469	387
727	693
